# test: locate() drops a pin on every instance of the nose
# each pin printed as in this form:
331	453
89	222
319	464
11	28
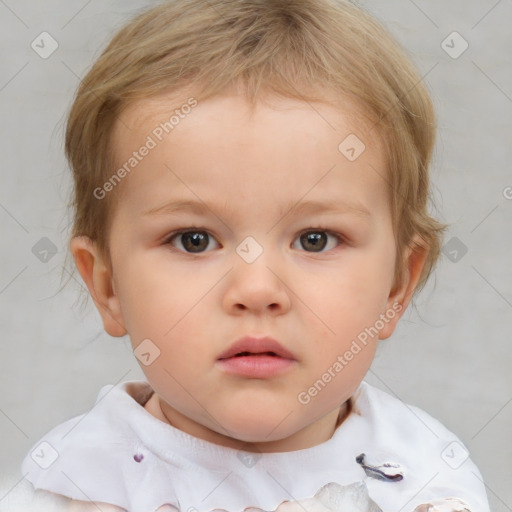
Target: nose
257	287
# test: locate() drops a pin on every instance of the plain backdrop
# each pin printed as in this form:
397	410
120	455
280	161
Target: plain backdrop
450	357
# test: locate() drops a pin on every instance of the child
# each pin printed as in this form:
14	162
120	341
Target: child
210	144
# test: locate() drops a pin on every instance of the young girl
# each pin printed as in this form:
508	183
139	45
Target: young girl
250	207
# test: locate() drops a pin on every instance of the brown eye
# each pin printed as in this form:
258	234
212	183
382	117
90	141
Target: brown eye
313	241
191	241
317	241
194	242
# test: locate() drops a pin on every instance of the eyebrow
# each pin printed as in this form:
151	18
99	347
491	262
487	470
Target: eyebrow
293	208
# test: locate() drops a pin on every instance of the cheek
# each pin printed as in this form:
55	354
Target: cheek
353	294
154	297
168	310
174	335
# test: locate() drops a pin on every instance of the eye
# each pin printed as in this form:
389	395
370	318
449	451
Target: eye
318	240
191	241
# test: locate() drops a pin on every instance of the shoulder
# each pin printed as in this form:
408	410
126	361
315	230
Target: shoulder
21	497
408	428
394	416
100	428
97	456
435	461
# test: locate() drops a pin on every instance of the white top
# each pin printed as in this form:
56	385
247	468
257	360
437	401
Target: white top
119	453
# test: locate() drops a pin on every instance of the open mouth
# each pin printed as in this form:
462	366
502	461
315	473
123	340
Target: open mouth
243	354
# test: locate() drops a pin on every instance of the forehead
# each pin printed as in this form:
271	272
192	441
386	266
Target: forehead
146	113
279	147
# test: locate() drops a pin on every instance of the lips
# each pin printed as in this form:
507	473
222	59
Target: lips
249	346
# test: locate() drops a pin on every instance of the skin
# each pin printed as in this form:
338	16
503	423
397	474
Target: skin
249	167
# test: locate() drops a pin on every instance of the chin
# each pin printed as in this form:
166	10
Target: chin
257	429
261	443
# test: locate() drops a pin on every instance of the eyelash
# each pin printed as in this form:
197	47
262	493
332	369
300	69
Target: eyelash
340	239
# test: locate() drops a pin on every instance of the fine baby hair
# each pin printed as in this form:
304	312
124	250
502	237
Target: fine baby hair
293	48
267	129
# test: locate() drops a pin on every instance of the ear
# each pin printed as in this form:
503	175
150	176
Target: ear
98	278
415	256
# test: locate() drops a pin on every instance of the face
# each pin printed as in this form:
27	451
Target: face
243	223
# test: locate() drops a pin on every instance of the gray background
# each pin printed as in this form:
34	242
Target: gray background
450	357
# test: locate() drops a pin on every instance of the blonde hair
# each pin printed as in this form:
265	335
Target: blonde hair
293	48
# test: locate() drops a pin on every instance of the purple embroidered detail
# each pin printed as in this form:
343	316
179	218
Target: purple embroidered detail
138	457
380	470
